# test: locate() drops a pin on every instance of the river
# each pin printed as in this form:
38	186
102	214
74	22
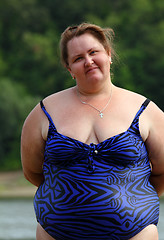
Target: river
17	220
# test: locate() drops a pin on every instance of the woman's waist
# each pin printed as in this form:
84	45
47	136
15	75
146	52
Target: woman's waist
101	190
84	203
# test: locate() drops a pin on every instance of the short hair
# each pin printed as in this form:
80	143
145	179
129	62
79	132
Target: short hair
104	36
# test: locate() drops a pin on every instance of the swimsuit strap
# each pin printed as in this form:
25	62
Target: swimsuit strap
135	124
142	108
47	114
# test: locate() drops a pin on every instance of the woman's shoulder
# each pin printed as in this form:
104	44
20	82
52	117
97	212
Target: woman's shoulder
136	99
49	102
60	102
128	97
58	96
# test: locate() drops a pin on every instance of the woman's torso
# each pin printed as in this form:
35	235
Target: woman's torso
97	190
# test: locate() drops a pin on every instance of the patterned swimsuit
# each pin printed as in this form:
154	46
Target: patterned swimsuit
97	191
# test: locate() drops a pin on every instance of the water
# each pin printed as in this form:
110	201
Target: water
17	220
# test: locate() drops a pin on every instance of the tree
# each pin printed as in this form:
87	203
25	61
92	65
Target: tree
139	28
30	66
14	107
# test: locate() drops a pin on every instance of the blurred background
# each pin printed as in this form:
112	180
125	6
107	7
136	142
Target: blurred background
30	70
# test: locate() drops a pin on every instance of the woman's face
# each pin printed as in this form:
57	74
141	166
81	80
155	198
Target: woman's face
89	63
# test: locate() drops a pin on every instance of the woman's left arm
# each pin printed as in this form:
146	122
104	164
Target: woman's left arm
155	146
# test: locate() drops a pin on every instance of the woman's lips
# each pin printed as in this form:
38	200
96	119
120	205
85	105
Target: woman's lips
91	69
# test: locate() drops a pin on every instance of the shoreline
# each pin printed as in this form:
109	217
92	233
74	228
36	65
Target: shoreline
14	185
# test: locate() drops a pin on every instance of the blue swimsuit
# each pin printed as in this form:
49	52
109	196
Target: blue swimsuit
97	191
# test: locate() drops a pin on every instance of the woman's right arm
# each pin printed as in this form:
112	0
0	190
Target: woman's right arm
32	146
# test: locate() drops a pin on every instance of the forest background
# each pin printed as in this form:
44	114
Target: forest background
30	66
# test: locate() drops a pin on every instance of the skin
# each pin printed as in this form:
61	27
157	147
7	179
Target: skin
89	64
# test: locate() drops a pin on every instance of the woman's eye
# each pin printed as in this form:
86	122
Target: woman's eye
78	59
93	52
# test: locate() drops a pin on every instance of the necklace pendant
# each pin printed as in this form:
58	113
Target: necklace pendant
101	114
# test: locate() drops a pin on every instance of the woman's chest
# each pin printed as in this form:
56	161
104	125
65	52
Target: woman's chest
92	129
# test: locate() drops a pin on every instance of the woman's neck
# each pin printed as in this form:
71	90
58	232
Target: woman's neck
94	95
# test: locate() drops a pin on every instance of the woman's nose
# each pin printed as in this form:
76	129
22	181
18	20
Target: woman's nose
88	61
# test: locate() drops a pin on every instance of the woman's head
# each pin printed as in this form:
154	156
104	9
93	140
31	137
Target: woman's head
103	35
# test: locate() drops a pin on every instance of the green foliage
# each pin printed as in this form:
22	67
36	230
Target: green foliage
29	54
15	106
139	28
39	61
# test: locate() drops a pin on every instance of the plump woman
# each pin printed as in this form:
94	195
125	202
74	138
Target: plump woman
95	151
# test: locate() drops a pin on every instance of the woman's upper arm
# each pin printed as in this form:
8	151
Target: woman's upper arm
155	139
32	144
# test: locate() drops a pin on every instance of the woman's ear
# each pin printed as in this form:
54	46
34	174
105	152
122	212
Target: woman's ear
69	70
110	57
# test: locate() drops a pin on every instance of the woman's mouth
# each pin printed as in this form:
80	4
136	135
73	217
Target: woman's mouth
91	69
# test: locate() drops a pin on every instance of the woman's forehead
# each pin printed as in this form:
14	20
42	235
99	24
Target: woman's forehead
82	43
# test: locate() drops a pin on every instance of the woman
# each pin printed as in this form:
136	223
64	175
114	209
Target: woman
92	148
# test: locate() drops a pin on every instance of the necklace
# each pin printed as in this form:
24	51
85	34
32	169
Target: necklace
100	111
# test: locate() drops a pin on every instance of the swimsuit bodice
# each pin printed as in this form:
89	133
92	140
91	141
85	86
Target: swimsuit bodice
96	191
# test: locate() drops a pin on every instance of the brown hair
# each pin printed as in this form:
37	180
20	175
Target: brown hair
104	35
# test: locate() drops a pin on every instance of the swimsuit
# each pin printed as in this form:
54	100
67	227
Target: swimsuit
97	191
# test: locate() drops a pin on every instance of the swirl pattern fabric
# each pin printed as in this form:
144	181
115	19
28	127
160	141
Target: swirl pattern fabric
97	191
